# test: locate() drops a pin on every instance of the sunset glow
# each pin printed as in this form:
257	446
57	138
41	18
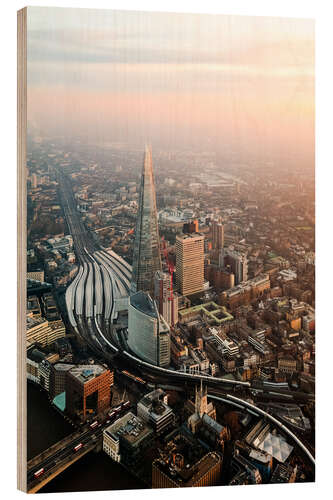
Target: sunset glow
173	78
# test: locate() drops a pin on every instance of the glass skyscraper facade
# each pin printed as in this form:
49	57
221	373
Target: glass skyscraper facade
148	332
146	253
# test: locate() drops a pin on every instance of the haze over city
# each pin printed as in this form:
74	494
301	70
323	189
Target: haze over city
180	81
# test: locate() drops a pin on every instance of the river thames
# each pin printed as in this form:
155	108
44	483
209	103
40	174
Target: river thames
93	472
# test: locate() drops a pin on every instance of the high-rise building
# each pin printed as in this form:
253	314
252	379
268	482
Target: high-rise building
126	438
146	252
88	389
190	263
236	262
148	332
58	378
34	181
154	411
191	227
220	278
166	299
217	234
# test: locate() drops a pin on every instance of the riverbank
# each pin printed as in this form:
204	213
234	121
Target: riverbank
94	472
45	426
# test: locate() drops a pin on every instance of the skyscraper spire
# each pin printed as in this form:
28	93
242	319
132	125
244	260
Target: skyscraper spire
146	253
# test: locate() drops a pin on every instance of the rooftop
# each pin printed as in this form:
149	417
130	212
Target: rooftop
281	474
192	236
130	427
144	303
85	373
35	355
60	401
210	422
260	456
246	285
276	446
185	469
215	312
63	367
154	404
32	322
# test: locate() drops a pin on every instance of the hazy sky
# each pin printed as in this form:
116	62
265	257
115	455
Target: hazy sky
177	80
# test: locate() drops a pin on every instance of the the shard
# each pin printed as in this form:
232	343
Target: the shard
146	253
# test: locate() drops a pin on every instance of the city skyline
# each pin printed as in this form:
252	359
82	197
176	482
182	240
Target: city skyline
170	324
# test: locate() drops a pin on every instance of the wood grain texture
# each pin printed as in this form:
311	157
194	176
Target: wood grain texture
21	248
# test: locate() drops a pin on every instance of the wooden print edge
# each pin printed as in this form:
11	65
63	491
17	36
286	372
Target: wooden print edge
21	248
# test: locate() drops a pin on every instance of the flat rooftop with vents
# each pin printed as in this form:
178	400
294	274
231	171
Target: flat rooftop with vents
130	428
85	373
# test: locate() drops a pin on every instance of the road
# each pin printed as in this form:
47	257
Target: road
64	451
53	459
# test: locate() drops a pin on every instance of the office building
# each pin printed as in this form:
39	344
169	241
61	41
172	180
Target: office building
34	358
210	311
146	252
41	331
88	390
284	473
153	409
148	332
166	299
44	371
36	275
200	357
125	439
259	459
34	181
191	227
244	293
220	279
217	234
180	469
33	307
236	262
287	364
50	308
58	378
241	465
190	263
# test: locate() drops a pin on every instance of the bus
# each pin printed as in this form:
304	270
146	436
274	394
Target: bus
78	447
125	405
94	424
39	472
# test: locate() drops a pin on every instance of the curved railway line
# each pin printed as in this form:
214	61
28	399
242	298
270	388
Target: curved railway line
101	289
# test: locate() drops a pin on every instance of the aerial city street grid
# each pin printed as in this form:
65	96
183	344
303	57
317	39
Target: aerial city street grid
228	369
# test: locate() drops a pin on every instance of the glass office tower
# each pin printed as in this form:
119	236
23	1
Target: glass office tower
146	254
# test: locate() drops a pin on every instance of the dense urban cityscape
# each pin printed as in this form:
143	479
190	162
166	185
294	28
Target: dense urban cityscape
170	318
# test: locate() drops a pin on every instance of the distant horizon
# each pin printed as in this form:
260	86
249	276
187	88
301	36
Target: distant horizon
184	81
